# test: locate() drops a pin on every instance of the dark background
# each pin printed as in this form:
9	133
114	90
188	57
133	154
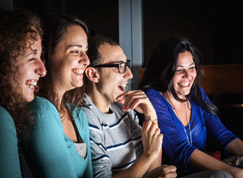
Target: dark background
214	27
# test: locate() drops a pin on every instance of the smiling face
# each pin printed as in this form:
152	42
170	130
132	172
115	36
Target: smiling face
29	68
111	83
70	59
185	74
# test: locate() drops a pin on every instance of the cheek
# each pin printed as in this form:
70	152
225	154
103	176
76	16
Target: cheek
59	63
60	68
194	74
24	73
176	78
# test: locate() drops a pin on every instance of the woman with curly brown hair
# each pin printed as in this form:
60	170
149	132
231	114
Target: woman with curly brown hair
20	69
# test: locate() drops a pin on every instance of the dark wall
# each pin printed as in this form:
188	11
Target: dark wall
100	16
215	28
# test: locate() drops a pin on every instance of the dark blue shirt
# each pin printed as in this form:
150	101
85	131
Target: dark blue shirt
204	128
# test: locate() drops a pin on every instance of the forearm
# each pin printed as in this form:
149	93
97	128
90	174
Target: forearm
235	147
157	162
138	169
204	161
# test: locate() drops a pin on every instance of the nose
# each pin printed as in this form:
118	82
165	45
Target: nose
84	59
187	73
128	74
40	68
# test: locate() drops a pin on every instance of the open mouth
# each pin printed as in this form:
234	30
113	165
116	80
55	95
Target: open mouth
31	83
122	87
78	71
184	84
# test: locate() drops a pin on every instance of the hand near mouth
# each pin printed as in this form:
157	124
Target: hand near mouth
137	99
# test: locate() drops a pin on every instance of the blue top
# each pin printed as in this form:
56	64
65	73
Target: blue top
50	152
205	128
9	156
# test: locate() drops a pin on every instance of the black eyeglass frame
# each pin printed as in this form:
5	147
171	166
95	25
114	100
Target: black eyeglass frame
127	64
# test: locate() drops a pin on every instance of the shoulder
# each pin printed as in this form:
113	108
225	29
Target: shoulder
89	108
156	98
204	94
44	112
151	93
4	113
40	104
91	112
6	120
79	115
117	107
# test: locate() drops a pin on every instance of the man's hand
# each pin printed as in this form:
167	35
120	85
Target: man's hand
152	139
138	100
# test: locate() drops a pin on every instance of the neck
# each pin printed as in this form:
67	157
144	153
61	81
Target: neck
181	109
59	97
173	102
170	98
99	100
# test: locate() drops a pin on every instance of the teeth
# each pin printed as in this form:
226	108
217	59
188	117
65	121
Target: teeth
184	84
123	86
78	71
31	83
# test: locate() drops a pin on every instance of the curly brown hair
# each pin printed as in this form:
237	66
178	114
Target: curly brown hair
18	30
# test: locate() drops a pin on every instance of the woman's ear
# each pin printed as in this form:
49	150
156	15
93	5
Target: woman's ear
92	74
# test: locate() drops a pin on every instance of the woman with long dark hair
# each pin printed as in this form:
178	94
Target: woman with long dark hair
186	116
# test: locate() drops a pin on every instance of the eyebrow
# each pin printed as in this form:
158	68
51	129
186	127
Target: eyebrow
189	65
33	51
70	46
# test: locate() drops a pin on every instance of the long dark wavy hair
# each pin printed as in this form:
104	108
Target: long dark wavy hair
18	30
55	27
161	68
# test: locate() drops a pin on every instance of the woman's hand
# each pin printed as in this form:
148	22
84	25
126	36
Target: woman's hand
164	171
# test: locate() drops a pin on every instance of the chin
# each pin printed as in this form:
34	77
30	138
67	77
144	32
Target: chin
77	85
29	97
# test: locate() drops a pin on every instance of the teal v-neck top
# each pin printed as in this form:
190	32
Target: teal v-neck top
49	151
9	155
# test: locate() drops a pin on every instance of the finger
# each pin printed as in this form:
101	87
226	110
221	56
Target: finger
146	126
122	101
132	100
161	136
125	94
152	129
157	132
139	100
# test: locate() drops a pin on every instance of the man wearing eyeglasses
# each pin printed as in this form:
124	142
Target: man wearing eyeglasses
119	146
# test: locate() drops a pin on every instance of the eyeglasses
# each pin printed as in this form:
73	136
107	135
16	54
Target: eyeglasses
121	66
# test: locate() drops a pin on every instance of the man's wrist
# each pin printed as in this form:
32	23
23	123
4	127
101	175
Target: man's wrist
149	118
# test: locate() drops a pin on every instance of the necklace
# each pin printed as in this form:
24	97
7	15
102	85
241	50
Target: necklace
174	109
